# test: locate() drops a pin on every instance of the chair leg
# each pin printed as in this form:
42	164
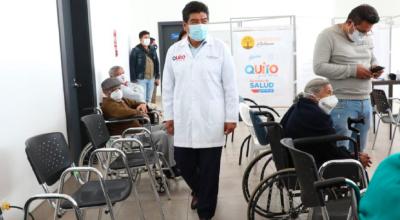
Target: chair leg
248	147
164	181
241	148
226	140
393	136
232	135
136	194
153	184
376	133
100	214
164	161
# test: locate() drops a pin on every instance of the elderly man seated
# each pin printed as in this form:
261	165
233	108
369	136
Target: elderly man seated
309	117
114	106
130	90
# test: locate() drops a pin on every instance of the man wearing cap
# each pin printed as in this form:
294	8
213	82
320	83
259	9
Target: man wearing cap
116	107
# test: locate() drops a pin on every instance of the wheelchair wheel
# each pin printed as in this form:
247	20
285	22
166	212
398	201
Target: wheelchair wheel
277	196
258	168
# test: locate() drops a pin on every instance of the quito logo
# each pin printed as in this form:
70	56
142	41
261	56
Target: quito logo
179	57
263	68
247	42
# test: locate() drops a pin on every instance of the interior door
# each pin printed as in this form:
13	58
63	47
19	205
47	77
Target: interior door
168	33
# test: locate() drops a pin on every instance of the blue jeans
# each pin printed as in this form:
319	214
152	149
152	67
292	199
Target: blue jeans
354	109
148	86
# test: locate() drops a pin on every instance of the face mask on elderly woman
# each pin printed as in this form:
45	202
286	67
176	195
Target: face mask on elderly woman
326	104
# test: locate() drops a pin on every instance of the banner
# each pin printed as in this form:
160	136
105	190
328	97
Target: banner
265	65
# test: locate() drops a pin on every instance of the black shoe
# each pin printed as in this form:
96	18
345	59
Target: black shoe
193	204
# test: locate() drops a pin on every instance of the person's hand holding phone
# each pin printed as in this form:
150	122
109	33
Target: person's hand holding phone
377	71
363	73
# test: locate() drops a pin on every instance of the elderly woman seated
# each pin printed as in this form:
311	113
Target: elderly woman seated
310	116
114	106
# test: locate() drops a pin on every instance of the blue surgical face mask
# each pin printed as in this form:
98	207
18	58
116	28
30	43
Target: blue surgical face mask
198	32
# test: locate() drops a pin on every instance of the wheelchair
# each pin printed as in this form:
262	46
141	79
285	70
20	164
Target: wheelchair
277	194
283	186
262	164
316	189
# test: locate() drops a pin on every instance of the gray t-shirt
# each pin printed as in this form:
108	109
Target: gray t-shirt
336	58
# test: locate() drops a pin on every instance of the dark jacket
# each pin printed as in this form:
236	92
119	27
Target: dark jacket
137	62
306	119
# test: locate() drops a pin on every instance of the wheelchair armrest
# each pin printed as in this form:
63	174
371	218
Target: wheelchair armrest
323	139
264	113
130	119
265	107
356	163
328	183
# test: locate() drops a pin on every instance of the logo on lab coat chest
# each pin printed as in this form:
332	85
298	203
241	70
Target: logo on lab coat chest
179	57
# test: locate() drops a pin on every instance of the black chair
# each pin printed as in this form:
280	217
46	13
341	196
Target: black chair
138	156
384	111
52	196
312	188
51	162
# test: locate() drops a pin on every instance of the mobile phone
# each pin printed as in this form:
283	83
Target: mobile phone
377	69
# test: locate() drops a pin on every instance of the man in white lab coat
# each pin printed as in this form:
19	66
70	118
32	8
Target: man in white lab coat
201	104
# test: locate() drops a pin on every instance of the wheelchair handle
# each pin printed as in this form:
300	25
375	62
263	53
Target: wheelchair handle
351	121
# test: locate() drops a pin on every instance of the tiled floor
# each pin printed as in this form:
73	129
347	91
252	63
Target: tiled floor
231	204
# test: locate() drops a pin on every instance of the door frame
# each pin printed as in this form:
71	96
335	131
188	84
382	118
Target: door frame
161	42
69	41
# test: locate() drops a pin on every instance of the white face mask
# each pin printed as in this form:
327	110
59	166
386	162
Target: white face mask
146	41
328	103
357	37
116	95
121	78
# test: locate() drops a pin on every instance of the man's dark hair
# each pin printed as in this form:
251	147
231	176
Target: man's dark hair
142	33
363	13
193	7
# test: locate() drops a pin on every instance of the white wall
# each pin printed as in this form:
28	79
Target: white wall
384	7
107	16
30	68
31	91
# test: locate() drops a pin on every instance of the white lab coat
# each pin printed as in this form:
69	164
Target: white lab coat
199	93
